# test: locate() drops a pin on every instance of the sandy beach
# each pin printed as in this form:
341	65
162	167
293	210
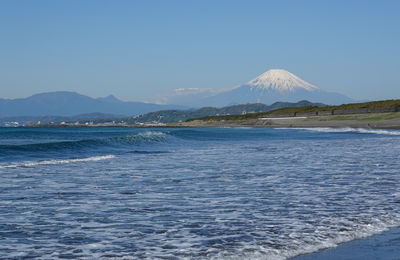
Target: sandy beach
370	120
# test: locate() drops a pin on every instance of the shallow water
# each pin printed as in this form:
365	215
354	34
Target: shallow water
193	193
384	246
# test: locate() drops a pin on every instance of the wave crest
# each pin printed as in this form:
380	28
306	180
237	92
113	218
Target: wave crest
57	161
137	139
351	130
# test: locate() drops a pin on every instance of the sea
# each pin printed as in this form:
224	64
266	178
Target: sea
193	193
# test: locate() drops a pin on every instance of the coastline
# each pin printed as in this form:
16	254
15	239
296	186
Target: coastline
385	245
365	120
373	121
352	248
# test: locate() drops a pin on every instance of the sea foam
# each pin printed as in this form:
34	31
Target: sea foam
56	161
351	130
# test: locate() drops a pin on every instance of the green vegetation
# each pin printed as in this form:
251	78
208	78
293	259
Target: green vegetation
352	106
169	116
363	117
382	117
291	111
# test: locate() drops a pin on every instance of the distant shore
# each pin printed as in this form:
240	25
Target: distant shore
370	120
365	120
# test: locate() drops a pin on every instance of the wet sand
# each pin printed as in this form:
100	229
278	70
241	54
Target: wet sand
382	246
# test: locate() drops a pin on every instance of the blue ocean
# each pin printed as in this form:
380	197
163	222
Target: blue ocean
193	193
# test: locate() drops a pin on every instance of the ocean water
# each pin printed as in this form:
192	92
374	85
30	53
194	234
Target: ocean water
176	193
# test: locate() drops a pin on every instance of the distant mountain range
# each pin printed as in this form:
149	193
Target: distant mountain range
271	86
64	103
268	88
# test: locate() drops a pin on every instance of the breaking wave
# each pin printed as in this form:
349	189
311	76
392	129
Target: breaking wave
56	161
196	193
351	130
137	139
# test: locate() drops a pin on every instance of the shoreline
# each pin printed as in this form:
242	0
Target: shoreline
364	248
385	245
221	125
366	120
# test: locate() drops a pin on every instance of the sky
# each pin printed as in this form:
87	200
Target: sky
138	50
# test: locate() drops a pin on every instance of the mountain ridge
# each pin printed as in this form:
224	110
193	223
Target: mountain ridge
170	116
68	103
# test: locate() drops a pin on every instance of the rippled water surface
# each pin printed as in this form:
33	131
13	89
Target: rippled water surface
193	193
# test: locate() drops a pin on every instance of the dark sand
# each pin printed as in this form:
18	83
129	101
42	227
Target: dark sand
382	246
375	121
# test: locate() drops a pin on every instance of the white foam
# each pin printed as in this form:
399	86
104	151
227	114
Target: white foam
56	161
350	130
263	253
151	133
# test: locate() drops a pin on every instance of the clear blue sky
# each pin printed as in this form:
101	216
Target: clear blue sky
138	49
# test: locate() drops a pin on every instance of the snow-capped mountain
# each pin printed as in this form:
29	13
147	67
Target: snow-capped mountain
271	86
280	80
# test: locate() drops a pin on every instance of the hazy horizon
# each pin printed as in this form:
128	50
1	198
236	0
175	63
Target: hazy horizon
139	50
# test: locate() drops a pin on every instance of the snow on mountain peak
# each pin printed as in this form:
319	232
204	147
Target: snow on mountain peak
280	80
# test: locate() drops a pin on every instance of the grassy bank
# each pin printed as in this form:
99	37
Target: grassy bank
354	108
